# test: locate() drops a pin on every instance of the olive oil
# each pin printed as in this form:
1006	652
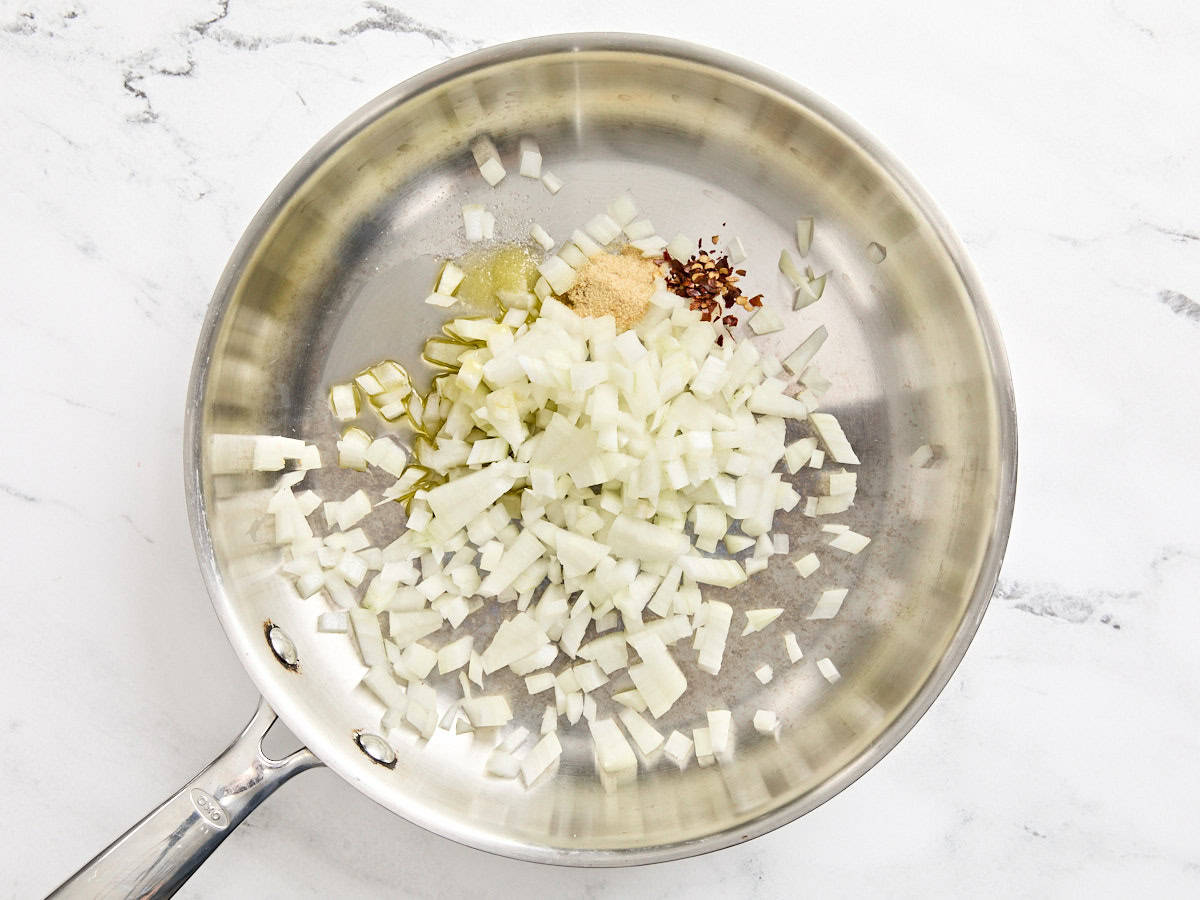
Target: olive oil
508	268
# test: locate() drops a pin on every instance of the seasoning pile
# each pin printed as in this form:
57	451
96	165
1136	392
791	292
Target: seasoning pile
614	284
710	283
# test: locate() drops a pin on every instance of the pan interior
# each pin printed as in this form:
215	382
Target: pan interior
330	278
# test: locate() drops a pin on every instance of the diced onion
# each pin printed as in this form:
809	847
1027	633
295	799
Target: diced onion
581	480
719	721
758	619
678	749
487	158
793	649
765	321
531	158
539	234
829	603
796	361
804	234
806	564
765	721
829	670
850	541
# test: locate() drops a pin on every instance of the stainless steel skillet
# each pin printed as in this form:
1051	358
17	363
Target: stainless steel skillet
329	277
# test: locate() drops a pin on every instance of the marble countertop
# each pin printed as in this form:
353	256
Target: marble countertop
1060	139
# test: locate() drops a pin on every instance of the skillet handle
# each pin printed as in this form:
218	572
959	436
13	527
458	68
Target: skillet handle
158	854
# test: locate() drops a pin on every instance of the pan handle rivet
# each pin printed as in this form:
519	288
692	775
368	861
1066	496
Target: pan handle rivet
282	646
376	748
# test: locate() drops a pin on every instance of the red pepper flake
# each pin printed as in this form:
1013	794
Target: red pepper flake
708	282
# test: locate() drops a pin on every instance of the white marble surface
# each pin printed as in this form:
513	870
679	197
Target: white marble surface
1061	139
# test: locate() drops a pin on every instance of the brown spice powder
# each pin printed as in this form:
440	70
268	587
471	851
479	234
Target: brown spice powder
615	284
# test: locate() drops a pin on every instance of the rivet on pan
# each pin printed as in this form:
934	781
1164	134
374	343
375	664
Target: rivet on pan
281	645
376	748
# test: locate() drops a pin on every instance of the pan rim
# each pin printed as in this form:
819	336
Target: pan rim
247	648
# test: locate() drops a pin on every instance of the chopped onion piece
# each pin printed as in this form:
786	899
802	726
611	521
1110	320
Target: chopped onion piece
702	740
515	638
353	509
487	712
719	721
455	655
807	564
343	400
539	234
789	267
657	677
638	229
602	229
828	605
758	619
631	699
487	158
552	182
765	721
622	210
706	570
678	749
651	246
830	432
796	361
804	234
558	274
613	754
829	670
736	543
586	244
809	292
541	757
333	622
680	248
841	482
793	649
573	256
472	214
369	637
645	735
418	660
450	279
405	627
876	253
764	674
531	158
737	251
765	321
850	541
542	681
549	720
711	637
